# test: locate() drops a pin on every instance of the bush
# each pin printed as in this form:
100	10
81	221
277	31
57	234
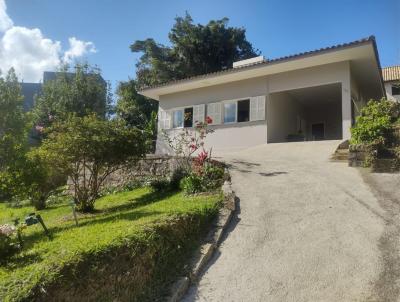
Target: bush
176	177
192	184
7	247
373	125
209	179
160	184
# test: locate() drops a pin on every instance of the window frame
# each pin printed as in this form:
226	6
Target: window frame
182	109
223	111
394	88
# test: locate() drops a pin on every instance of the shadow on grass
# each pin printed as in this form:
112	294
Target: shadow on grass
126	211
21	260
141	201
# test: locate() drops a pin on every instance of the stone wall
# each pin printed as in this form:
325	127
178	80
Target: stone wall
151	166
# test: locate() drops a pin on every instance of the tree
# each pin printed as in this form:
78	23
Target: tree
14	125
195	49
88	149
82	92
13	120
134	108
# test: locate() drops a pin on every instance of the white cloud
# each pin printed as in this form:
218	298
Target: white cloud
5	21
30	53
78	48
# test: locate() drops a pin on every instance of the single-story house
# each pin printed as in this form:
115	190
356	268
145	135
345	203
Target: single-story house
314	95
391	77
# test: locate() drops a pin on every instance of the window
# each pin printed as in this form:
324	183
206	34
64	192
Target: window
178	119
243	111
188	117
230	112
395	89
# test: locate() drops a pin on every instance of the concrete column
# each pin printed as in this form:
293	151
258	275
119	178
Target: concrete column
346	110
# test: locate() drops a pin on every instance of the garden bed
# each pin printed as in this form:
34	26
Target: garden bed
131	249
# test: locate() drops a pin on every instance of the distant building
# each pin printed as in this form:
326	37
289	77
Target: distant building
31	90
391	77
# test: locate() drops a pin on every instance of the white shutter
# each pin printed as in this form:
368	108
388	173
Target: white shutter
164	119
198	114
257	108
214	112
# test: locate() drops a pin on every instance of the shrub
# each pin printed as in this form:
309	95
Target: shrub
89	149
7	247
176	177
192	184
160	184
373	125
210	178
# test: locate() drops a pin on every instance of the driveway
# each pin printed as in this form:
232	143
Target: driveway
307	229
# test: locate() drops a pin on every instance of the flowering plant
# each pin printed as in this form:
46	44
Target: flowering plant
188	143
7	246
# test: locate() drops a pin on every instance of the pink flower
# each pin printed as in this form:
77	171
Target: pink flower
193	147
202	157
209	120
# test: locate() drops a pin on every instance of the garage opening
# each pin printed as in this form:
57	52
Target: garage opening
307	114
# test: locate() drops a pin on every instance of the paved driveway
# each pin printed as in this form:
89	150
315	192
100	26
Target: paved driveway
307	230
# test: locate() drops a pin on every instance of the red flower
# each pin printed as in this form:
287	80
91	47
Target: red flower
202	157
209	120
193	147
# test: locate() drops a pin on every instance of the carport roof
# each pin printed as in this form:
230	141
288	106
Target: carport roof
242	72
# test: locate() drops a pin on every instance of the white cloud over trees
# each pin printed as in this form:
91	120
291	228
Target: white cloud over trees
30	53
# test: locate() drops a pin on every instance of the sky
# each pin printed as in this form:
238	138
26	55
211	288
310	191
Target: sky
38	35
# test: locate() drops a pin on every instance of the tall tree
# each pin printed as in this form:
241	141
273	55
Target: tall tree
13	120
134	108
81	92
195	49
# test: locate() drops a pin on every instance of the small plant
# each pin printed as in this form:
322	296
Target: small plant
192	184
7	245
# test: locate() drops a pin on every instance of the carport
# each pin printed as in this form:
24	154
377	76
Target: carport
312	113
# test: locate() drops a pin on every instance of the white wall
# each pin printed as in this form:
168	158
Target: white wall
388	88
254	133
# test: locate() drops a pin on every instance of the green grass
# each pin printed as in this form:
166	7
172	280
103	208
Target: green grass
119	218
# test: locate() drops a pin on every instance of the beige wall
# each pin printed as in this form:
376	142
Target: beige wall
254	133
283	113
330	114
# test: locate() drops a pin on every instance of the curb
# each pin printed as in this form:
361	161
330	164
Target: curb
207	249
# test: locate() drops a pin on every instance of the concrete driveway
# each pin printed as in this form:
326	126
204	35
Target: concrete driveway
308	229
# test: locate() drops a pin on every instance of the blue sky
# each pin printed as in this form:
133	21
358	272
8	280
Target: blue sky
275	27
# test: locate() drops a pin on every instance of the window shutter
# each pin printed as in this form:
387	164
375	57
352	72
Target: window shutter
214	112
164	119
198	114
257	108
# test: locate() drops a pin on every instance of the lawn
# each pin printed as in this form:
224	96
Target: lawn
120	218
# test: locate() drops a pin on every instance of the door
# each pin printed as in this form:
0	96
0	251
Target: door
318	131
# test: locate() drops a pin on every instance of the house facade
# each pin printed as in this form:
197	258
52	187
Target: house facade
309	96
391	77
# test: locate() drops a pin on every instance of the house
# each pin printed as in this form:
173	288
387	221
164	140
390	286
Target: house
391	77
314	95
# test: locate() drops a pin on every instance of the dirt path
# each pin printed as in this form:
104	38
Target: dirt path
307	230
